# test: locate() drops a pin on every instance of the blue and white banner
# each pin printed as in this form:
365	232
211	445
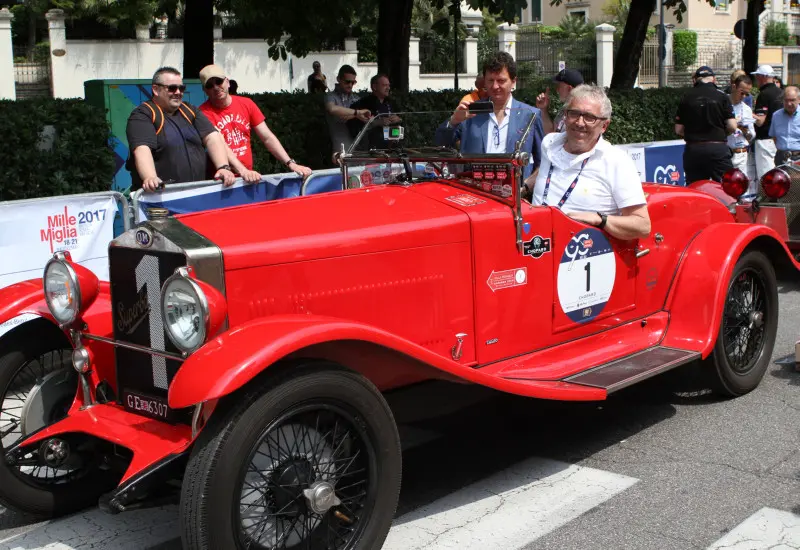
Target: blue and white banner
660	161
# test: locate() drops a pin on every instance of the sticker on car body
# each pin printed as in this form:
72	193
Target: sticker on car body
586	275
465	200
507	278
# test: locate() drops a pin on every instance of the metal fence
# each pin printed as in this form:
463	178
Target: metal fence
722	60
541	55
436	56
31	75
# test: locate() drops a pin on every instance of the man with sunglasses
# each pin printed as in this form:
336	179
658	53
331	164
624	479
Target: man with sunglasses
236	117
170	139
705	119
739	141
585	176
339	108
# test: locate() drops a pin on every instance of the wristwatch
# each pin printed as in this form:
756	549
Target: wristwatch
225	167
288	162
603	220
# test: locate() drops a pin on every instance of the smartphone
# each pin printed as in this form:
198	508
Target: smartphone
482	106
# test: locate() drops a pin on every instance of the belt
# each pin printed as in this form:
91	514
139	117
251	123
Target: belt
704	142
739	149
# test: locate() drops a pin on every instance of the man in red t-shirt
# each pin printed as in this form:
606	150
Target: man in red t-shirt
236	117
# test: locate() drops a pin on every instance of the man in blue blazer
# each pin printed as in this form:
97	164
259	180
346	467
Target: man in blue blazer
499	130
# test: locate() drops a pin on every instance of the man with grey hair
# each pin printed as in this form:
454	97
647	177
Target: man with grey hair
704	119
586	177
169	139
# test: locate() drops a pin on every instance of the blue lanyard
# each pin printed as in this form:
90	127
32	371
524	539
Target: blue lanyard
569	190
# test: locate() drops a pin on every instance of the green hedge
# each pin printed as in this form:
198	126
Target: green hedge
684	46
79	160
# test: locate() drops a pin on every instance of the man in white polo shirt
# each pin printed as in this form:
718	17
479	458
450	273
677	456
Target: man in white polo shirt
588	178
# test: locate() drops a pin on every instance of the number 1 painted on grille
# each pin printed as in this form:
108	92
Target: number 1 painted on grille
147	276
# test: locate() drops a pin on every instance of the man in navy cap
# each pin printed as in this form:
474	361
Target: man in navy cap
705	118
566	80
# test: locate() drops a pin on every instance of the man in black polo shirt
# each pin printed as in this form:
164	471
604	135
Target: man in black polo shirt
769	100
704	119
168	138
377	103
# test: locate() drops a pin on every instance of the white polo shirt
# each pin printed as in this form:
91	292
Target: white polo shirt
608	183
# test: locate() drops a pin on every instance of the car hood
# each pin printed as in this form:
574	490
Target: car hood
314	227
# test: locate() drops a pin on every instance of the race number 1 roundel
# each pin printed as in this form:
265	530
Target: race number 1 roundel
586	275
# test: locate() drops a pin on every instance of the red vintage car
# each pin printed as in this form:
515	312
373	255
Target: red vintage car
245	351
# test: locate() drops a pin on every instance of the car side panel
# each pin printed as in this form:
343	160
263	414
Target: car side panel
421	294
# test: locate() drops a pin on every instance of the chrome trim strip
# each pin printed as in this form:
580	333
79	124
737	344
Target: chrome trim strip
134	347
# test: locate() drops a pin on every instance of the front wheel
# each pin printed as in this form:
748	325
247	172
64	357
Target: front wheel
748	327
309	459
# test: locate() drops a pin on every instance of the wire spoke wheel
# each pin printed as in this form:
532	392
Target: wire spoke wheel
308	482
38	394
743	322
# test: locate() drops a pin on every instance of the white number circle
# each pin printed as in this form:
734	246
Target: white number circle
586	275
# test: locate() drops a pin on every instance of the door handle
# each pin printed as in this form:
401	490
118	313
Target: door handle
642	252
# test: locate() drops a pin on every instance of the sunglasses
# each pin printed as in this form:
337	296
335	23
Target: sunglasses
172	88
349	81
215	81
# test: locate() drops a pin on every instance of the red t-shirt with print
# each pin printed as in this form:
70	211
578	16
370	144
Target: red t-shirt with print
234	123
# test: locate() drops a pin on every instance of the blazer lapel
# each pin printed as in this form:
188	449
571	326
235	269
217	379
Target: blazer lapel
514	124
482	125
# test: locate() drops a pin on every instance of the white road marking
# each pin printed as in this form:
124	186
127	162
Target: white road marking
507	510
767	528
135	530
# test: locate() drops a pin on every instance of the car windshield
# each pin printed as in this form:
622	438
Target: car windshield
409	147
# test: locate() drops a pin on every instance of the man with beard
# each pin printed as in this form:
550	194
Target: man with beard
585	176
236	117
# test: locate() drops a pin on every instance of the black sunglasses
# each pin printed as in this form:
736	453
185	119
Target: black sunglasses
215	81
172	88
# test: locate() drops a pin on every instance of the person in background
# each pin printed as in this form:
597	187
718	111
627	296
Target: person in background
479	93
785	128
316	80
338	106
748	100
566	81
234	87
704	120
739	141
236	117
170	140
769	100
378	103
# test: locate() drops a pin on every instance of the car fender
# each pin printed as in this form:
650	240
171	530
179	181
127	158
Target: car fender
696	299
232	359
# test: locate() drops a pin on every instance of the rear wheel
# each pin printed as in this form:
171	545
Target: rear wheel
748	327
37	388
309	459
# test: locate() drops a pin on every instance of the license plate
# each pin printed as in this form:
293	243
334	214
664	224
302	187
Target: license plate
154	407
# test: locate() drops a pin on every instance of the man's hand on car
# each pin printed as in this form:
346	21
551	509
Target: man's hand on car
226	176
151	184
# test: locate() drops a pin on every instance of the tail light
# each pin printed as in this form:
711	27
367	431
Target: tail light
776	183
735	183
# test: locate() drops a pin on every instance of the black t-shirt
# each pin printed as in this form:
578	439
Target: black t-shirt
376	107
178	149
703	112
769	100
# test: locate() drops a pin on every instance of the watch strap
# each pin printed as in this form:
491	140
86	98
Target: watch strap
603	220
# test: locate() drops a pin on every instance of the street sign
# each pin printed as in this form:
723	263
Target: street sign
562	65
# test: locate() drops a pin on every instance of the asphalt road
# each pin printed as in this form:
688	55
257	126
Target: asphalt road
662	465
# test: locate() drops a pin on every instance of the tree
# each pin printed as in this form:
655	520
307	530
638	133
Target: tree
198	36
750	48
626	64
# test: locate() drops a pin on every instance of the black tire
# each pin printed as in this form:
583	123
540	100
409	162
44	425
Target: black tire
744	345
32	354
212	494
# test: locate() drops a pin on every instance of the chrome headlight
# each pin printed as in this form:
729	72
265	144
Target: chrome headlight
62	293
184	308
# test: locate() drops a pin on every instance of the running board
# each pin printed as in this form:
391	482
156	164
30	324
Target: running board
633	368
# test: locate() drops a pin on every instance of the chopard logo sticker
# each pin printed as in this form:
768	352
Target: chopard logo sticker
130	319
536	247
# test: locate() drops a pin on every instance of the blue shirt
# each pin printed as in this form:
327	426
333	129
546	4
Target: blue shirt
785	128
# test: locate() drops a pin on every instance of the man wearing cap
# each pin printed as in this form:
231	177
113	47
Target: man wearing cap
705	119
769	100
236	117
566	80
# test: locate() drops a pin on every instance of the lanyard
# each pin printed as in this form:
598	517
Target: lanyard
568	192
